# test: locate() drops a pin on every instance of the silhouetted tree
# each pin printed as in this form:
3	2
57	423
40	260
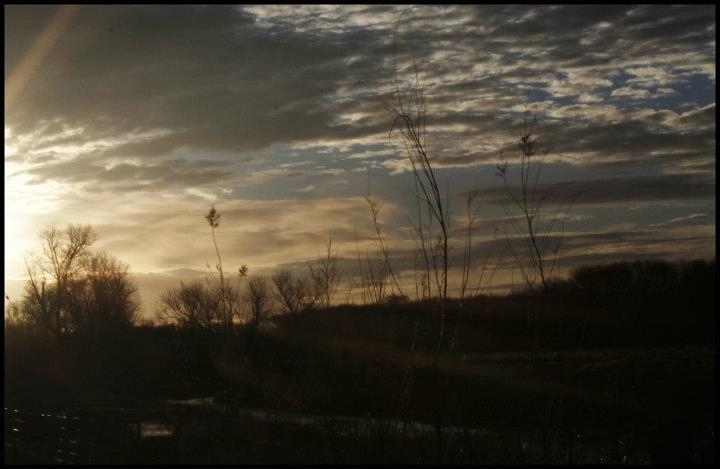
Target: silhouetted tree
295	294
258	295
109	295
196	304
325	275
71	288
536	235
13	314
379	275
373	275
62	255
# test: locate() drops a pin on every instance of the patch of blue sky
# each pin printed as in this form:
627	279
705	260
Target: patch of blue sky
538	95
698	89
688	92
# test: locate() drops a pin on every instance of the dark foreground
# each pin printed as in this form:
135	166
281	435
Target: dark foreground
600	406
592	372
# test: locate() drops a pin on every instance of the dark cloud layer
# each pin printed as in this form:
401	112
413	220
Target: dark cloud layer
214	78
618	190
203	73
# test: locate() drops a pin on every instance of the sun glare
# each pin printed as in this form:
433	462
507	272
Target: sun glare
24	201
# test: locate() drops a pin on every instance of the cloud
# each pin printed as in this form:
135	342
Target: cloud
682	220
616	191
126	177
246	78
632	93
140	115
308	188
220	87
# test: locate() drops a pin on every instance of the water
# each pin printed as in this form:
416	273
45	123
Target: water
156	429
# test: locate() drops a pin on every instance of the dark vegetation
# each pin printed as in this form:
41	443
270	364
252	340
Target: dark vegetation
645	303
619	369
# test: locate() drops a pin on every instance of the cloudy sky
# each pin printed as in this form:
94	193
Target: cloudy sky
136	119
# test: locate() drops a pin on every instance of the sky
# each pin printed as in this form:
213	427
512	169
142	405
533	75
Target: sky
137	119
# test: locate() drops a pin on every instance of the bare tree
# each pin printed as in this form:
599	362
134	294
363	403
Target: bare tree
106	296
385	254
373	275
258	296
14	316
71	288
62	255
536	234
325	274
234	296
196	304
295	294
37	298
208	305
